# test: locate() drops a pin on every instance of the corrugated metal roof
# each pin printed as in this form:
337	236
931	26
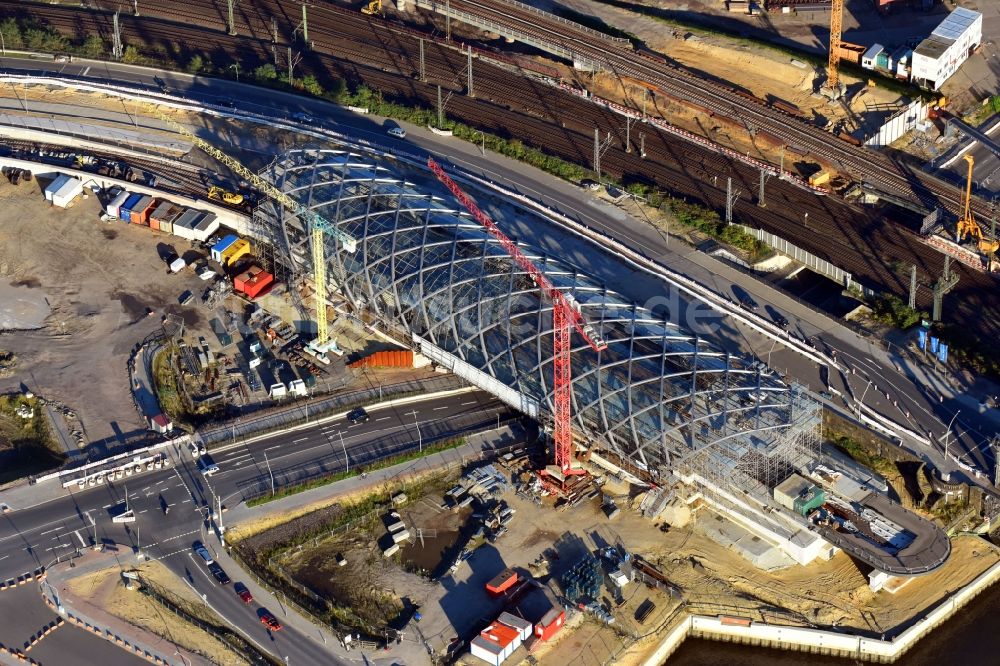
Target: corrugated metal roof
514	621
933	47
872	52
952	27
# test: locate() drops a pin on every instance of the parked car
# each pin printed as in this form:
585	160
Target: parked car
748	303
220	574
243	593
357	415
268	620
202	552
397	132
302	117
185	298
589	184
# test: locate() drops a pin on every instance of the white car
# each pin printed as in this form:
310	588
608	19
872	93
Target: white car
397	132
207	466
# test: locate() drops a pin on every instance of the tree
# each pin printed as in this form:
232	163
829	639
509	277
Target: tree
196	64
93	46
311	85
131	55
265	73
11	33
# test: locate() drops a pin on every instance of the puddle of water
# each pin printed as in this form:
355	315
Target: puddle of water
22	305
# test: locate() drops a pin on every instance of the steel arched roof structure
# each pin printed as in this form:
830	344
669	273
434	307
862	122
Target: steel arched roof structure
658	396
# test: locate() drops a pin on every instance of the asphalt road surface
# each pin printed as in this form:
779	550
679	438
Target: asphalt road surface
172	505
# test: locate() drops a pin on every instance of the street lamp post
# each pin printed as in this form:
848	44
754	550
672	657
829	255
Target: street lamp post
947	436
347	461
236	66
270	473
420	439
863	394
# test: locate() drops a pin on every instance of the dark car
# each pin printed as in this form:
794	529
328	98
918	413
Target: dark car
243	593
358	415
748	303
780	321
220	574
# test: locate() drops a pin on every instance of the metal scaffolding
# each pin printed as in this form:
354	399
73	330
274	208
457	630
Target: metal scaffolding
428	273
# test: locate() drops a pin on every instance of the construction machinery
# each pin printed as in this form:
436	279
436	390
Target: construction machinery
836	30
566	316
967	225
316	224
373	8
225	196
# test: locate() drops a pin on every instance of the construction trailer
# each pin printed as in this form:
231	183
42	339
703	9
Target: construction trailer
221	246
949	45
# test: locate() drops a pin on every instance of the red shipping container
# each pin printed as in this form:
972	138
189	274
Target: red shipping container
253	281
502	582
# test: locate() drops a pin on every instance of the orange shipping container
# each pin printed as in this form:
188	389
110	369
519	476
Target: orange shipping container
142	209
154	224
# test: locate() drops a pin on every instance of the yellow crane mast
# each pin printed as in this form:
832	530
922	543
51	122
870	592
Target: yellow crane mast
372	8
967	225
317	225
836	30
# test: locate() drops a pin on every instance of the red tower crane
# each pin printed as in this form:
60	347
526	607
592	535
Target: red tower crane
565	314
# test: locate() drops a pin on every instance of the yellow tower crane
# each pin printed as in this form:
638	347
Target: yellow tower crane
836	29
967	225
372	8
317	225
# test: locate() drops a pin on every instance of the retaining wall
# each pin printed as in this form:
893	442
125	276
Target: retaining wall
818	641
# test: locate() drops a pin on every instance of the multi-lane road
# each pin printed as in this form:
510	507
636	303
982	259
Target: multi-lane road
172	505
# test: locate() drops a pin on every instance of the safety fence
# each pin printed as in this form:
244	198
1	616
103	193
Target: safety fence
814	263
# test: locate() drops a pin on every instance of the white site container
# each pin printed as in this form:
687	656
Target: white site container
67	191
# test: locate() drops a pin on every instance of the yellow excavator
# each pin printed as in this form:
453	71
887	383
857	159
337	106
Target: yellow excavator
225	196
372	8
967	225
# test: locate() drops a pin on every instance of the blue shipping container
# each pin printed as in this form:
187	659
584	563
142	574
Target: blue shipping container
125	210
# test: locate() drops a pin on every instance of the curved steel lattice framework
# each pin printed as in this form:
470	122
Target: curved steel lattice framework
656	396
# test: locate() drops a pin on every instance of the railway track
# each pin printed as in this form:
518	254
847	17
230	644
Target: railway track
876	247
876	168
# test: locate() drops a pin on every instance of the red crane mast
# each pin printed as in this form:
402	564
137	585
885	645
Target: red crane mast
565	315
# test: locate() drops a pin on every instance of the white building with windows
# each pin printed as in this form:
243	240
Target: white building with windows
940	55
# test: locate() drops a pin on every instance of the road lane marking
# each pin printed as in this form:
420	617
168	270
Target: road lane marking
471	402
301	439
276	446
144	511
384	418
84	72
440	408
82	542
54	529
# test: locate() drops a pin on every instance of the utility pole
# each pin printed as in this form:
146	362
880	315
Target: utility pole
642	145
135	7
440	109
274	30
731	198
447	20
292	62
470	91
945	283
116	43
305	24
423	63
645	95
347	461
760	189
994	445
913	287
628	133
230	19
599	148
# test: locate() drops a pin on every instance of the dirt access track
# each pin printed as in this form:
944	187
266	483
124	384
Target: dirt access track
97	279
